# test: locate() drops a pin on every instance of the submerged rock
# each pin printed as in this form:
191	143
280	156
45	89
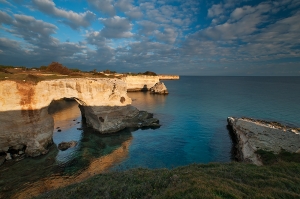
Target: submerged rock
159	88
66	145
252	135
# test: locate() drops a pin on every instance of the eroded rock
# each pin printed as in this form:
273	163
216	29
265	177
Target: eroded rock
24	117
140	82
8	156
66	145
159	88
112	119
253	135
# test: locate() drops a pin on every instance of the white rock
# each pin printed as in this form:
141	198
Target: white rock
159	88
8	156
24	117
140	82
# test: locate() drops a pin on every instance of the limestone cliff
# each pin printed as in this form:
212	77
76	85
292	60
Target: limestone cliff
253	135
24	114
168	77
140	82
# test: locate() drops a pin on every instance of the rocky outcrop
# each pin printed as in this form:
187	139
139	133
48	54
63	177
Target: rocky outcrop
107	119
159	88
168	77
24	117
140	82
252	135
66	145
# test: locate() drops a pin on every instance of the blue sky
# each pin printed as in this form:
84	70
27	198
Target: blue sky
185	37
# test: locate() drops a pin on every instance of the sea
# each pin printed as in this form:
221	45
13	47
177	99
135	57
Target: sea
193	118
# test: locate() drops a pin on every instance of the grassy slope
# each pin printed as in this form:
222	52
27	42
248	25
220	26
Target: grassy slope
216	180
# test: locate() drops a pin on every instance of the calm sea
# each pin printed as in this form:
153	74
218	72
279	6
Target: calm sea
193	118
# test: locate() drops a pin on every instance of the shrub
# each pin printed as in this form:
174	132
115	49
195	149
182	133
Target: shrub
150	73
58	68
109	71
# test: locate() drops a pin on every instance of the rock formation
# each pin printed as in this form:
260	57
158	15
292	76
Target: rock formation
26	123
159	88
140	82
65	145
252	135
107	119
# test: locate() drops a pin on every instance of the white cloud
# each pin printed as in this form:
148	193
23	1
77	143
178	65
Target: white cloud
105	6
73	19
124	5
147	27
116	27
169	35
215	10
5	18
134	13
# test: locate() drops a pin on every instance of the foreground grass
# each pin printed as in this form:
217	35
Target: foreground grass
216	180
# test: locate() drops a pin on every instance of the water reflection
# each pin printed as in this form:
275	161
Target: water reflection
147	101
93	154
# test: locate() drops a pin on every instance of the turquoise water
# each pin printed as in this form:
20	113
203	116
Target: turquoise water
193	117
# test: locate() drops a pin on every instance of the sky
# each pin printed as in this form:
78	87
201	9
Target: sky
184	37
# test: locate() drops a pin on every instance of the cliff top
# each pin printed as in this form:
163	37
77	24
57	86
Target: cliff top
33	75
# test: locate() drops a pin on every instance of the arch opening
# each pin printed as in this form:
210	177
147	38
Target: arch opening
67	130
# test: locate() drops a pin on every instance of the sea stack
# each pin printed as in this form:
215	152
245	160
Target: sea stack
159	88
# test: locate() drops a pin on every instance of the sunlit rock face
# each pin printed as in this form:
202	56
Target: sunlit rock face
159	88
252	135
168	77
140	82
24	117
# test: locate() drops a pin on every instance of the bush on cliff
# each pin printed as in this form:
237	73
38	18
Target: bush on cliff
56	67
150	73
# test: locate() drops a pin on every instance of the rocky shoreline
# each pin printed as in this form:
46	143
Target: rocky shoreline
252	135
104	105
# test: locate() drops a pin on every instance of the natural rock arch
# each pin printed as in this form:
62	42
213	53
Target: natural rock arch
24	108
103	103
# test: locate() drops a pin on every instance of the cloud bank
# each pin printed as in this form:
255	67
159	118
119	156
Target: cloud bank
187	37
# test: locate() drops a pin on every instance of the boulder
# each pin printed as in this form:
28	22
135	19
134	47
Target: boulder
252	135
8	156
159	88
66	145
112	119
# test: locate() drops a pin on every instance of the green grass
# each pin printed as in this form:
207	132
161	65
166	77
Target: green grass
215	180
269	158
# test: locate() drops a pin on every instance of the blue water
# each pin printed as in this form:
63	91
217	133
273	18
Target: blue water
193	117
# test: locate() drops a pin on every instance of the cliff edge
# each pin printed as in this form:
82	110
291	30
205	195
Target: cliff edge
253	135
140	82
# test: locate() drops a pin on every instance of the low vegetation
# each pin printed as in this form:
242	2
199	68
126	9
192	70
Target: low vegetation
278	179
55	70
